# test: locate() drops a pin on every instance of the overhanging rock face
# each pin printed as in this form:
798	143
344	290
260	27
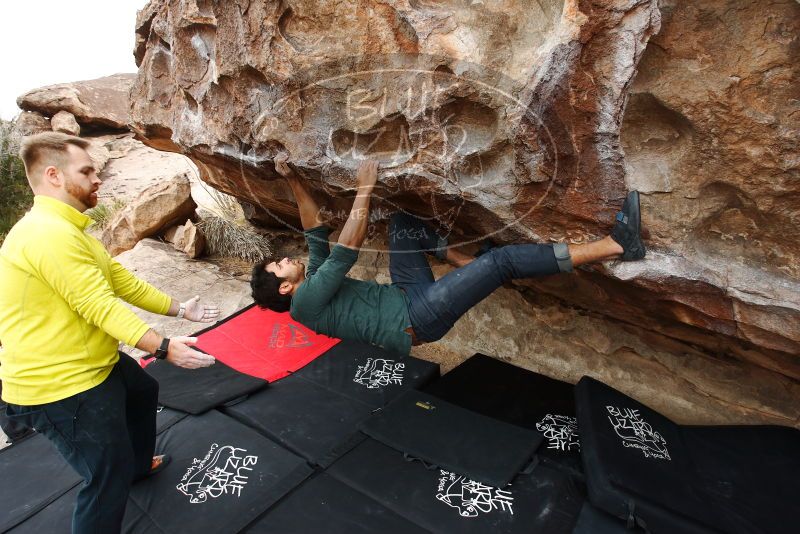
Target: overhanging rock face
509	111
711	133
509	119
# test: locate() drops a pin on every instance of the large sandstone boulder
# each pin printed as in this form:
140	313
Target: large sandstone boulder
157	208
521	120
102	102
133	167
450	97
712	133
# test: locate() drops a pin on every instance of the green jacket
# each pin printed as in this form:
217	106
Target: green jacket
330	303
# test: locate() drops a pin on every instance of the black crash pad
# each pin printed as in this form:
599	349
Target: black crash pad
592	520
325	505
313	422
223	475
520	397
367	373
453	438
315	412
545	500
55	518
642	467
198	390
32	475
166	417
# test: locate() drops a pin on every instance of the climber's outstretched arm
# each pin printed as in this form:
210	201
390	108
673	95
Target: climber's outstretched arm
355	229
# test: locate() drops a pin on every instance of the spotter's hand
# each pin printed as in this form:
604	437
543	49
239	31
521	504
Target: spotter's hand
200	313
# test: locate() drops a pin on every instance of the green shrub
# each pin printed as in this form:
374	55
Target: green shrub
103	213
15	194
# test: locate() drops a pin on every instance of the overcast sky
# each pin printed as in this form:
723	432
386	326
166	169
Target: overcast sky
43	42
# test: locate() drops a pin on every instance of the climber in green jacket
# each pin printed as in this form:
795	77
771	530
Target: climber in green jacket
414	308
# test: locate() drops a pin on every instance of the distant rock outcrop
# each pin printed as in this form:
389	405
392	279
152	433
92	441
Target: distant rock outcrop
154	185
101	103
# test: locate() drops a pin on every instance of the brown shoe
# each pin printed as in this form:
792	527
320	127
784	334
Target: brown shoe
159	463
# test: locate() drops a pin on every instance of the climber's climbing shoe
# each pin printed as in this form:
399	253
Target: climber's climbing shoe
628	229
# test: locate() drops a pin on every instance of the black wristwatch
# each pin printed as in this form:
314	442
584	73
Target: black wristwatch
161	352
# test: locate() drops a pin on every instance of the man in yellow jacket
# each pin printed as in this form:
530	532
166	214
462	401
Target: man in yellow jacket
60	322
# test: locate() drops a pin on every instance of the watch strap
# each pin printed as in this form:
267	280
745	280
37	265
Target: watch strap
161	352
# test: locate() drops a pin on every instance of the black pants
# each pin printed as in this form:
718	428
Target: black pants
107	434
13	429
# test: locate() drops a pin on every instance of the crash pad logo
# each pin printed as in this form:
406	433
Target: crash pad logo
379	372
287	336
637	433
471	498
223	471
561	432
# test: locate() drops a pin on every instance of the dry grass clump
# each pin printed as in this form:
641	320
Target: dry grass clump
229	234
229	239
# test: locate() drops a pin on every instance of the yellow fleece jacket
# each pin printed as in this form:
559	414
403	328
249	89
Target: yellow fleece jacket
60	313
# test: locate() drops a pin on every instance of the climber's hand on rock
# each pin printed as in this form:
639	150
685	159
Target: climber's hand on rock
282	166
367	175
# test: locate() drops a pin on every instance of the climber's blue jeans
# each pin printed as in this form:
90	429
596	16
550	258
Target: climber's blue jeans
434	306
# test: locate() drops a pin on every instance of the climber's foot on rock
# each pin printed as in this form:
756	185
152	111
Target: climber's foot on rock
627	230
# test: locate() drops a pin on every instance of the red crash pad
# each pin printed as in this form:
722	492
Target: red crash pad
263	343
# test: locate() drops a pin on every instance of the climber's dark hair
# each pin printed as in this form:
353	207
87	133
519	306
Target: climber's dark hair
264	286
